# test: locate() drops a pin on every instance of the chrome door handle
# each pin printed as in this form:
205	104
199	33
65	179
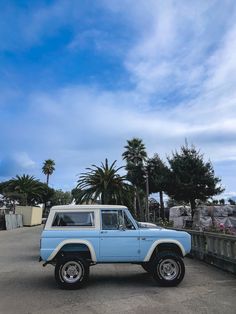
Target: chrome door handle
103	232
143	238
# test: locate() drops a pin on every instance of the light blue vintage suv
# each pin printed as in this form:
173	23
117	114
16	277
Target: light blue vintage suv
76	237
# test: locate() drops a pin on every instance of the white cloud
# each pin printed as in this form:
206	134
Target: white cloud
84	113
16	163
182	64
24	161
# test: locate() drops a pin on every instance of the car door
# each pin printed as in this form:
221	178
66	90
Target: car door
119	238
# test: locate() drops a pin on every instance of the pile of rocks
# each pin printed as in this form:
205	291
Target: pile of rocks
221	216
179	215
205	217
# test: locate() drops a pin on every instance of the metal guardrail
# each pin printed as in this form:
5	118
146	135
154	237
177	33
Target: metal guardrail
214	248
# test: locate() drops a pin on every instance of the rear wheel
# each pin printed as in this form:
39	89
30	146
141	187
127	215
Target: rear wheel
71	272
168	269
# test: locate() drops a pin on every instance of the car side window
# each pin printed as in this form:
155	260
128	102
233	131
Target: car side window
114	219
111	219
74	219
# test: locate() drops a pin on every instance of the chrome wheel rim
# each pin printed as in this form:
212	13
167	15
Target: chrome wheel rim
168	269
71	272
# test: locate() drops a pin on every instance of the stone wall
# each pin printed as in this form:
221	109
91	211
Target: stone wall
215	248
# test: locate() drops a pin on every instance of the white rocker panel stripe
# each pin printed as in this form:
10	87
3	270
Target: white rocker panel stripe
74	241
152	248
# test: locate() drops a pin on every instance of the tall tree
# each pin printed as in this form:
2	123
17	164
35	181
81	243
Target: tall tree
61	198
158	174
25	189
154	208
135	151
231	202
191	177
135	156
48	168
102	183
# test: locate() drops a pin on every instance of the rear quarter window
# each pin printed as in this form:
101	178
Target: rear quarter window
73	219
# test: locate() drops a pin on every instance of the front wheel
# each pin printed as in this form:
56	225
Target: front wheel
168	269
147	267
71	273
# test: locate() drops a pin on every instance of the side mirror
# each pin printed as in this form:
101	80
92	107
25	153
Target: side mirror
121	228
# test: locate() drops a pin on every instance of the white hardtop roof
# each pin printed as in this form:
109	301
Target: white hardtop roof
78	207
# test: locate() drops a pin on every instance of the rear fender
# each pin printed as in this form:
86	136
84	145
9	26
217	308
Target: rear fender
68	245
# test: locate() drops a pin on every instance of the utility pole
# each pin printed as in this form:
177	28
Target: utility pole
147	194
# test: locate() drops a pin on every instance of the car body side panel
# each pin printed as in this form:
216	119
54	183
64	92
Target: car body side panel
150	238
119	246
53	240
114	246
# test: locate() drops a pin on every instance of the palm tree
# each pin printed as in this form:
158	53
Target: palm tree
135	156
102	183
48	168
25	189
135	152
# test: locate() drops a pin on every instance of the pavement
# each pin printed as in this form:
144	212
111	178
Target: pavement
26	287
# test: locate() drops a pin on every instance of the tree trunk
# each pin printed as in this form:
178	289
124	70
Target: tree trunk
47	178
193	207
162	204
102	198
147	195
140	209
45	203
135	201
25	199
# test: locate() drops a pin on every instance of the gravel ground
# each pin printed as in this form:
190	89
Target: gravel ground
26	287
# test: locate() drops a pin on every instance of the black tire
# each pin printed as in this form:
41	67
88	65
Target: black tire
71	272
147	267
168	269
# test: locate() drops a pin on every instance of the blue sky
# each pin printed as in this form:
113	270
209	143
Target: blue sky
78	78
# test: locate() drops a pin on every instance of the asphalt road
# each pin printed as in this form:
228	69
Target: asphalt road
26	287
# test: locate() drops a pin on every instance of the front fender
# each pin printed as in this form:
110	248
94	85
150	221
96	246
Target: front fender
157	242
